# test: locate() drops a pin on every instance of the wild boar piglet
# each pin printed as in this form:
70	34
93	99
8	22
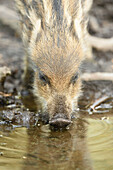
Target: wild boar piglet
54	34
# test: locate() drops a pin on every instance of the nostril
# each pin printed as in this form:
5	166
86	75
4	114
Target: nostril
60	122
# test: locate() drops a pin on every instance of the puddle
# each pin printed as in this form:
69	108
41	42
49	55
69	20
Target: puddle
100	143
88	144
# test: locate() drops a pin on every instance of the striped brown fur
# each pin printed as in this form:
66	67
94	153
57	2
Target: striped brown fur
54	34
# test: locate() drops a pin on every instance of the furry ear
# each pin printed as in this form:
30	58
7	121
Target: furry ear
78	20
83	8
80	23
30	21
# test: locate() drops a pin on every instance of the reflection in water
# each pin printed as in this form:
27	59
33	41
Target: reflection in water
85	146
58	150
41	148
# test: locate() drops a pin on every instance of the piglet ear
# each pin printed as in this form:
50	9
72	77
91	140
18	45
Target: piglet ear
80	20
30	21
80	24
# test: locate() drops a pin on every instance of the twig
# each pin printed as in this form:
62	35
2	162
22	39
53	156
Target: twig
98	102
101	43
97	76
5	95
9	17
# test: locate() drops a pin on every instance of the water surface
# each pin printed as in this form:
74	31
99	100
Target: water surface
88	144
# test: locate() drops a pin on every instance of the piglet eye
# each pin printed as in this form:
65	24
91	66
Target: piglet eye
44	79
74	78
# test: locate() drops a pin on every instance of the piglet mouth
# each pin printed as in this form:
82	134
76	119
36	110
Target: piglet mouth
60	121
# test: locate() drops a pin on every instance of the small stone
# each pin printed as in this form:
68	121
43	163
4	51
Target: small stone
103	118
67	127
1	153
24	157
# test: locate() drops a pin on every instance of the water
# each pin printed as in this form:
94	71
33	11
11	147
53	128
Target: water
100	143
88	144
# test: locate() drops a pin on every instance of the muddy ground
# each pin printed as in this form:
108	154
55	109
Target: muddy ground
11	56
